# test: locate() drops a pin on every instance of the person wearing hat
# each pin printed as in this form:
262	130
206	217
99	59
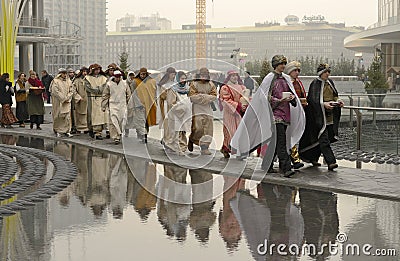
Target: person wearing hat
144	99
110	71
115	100
322	120
95	82
234	97
62	92
81	104
293	70
71	74
273	119
202	93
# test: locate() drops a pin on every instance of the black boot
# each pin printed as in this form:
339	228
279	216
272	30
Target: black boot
91	134
108	135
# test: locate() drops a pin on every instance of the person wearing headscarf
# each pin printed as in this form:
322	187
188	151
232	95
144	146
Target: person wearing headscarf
233	96
178	119
144	102
35	100
95	82
63	93
293	70
272	118
322	120
202	93
6	92
20	98
115	98
81	105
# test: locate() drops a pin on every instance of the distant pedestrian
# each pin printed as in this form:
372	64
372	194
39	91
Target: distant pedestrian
322	120
397	82
6	92
248	82
46	80
35	99
20	98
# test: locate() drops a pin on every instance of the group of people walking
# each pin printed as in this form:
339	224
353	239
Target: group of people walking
29	94
279	119
285	122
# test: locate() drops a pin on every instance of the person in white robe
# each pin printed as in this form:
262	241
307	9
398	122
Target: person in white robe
115	98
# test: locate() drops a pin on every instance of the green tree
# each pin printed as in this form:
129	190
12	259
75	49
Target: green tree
266	68
376	78
123	62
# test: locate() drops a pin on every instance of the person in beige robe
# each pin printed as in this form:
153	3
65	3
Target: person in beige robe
115	98
145	89
95	82
62	92
202	93
81	106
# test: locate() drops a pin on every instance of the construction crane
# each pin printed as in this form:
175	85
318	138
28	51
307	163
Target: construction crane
201	43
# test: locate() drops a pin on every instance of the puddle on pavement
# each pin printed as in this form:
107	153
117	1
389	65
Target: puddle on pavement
127	209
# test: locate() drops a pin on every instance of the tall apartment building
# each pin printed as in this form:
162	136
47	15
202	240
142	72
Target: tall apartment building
156	49
84	17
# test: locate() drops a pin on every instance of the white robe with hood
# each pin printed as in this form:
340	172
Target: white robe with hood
257	126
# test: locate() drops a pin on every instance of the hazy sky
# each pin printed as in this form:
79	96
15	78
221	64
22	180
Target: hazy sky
233	13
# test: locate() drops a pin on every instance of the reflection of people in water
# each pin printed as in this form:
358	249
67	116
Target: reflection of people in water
64	149
229	227
8	139
98	197
143	196
272	217
118	185
174	206
202	216
321	219
82	182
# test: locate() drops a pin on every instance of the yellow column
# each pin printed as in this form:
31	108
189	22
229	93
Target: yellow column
11	11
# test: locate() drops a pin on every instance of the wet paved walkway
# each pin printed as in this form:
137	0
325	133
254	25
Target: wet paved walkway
344	180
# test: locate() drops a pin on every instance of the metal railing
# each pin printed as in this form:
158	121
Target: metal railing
359	114
34	22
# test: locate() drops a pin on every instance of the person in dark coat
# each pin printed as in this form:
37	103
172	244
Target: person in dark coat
322	120
46	80
249	82
6	91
